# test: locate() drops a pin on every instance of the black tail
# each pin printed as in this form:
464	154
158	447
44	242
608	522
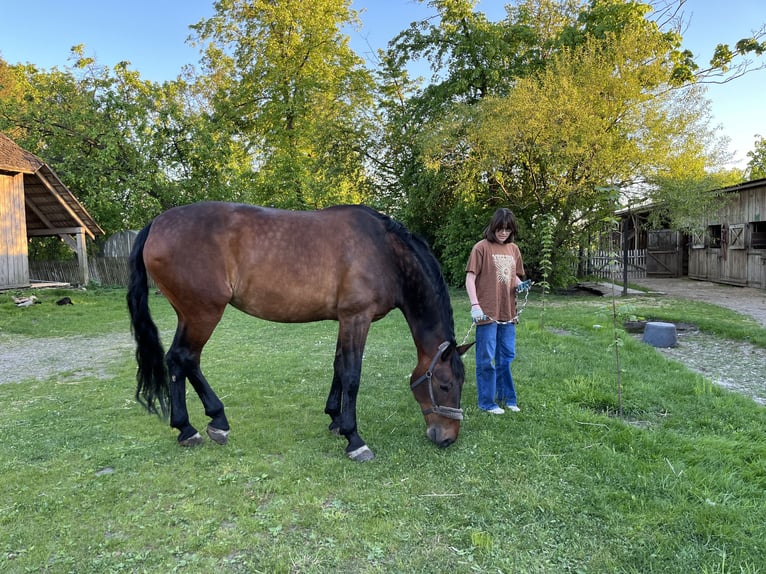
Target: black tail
152	377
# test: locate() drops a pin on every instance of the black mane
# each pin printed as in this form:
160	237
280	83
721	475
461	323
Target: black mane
430	266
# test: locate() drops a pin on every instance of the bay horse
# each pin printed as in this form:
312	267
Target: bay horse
345	263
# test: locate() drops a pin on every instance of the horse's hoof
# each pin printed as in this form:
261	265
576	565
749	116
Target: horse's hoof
194	440
362	454
218	436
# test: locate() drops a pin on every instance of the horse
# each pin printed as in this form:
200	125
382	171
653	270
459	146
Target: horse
346	263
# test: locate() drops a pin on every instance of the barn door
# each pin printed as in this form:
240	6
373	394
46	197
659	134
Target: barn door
664	256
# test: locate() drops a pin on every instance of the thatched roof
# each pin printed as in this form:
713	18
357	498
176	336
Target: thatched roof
51	209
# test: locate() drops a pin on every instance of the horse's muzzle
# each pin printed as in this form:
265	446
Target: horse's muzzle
440	436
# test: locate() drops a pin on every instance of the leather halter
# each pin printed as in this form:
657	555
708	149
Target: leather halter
436	408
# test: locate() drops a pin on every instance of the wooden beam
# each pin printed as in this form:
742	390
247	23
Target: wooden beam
61	201
38	213
71	242
56	231
82	257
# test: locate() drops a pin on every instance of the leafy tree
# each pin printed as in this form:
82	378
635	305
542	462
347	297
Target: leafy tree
585	106
287	90
92	126
756	167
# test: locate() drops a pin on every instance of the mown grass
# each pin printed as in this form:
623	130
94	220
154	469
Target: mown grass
90	483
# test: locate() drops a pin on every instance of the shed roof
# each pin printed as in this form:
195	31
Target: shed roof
650	205
51	208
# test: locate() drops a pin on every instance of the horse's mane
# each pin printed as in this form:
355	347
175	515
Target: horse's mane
428	263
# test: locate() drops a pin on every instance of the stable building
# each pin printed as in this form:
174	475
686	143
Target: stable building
733	247
34	202
729	248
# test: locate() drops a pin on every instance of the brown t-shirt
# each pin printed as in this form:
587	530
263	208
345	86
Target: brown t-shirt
495	266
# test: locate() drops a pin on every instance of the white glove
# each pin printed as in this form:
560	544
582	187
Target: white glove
477	314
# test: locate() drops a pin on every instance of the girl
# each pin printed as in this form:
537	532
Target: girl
494	271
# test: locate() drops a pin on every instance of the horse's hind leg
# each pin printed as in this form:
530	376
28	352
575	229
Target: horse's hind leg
178	360
333	405
218	427
183	361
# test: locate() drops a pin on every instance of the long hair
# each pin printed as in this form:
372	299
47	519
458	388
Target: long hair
503	218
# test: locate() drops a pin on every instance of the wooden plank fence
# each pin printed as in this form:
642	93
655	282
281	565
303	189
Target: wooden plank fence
608	264
106	271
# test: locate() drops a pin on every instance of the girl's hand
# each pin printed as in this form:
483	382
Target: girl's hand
524	285
477	314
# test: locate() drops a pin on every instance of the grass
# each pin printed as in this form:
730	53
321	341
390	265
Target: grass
90	483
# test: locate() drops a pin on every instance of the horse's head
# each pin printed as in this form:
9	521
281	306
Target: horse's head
438	390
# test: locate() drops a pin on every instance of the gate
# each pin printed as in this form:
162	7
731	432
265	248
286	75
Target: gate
666	253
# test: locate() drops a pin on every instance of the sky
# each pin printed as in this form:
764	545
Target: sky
152	34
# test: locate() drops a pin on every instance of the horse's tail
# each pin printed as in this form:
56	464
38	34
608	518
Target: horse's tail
152	377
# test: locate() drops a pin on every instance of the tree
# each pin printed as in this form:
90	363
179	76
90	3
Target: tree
91	125
287	90
756	167
594	104
128	148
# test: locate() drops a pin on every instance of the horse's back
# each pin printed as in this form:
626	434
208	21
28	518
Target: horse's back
290	266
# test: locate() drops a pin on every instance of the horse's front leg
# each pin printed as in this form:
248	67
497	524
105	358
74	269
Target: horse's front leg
347	371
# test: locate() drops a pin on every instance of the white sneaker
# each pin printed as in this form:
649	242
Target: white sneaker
513	408
495	411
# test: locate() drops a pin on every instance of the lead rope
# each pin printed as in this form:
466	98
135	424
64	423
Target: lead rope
514	320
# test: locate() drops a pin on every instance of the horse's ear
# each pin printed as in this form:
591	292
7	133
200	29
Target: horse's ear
463	348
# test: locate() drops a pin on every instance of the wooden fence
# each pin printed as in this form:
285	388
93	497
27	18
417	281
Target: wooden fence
106	271
608	265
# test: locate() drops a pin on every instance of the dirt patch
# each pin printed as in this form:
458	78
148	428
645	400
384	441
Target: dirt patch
64	359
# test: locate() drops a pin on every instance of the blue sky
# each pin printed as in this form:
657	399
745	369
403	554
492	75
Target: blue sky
151	35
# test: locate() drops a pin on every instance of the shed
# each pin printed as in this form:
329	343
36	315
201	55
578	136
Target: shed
733	247
34	202
663	252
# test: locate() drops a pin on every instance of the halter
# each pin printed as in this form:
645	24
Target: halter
436	408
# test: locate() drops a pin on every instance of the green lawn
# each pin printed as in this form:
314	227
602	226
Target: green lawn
90	483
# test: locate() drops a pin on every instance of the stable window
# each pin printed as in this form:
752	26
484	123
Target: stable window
758	234
698	239
737	236
714	233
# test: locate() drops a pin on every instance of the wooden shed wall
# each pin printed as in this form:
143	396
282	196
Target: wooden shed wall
742	260
14	264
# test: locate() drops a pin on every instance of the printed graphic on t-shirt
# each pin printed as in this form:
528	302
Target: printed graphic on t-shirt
506	268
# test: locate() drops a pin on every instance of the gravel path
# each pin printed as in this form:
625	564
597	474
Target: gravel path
745	300
738	366
63	359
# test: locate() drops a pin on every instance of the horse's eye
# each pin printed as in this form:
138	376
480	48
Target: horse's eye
444	387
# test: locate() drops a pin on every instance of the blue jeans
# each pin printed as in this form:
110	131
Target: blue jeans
495	350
